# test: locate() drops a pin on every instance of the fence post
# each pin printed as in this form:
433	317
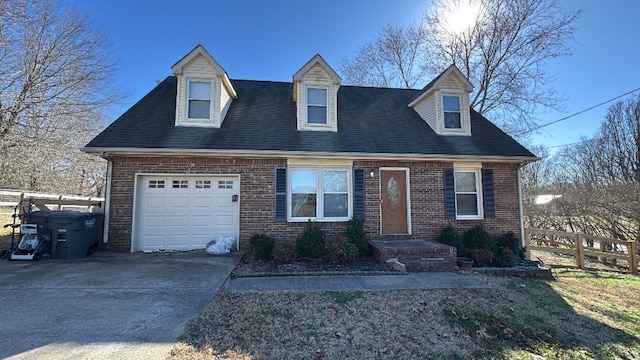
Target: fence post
527	242
632	248
579	251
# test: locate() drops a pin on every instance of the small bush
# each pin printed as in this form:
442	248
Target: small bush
283	253
509	240
481	257
262	246
449	236
507	257
339	250
357	236
311	241
478	238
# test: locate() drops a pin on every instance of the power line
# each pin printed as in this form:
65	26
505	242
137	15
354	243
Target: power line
578	113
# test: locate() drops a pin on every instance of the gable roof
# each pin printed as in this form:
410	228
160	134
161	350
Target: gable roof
317	59
372	122
437	83
199	50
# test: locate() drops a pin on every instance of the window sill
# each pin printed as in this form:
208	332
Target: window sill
298	220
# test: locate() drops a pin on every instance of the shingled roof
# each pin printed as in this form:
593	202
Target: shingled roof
263	118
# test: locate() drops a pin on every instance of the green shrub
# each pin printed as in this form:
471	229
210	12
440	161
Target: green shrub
481	257
262	246
283	253
477	238
507	257
509	240
339	250
449	236
311	241
357	236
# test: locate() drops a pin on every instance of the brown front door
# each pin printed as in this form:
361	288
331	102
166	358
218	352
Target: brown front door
393	201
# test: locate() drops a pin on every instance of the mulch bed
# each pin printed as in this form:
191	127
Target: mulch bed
249	267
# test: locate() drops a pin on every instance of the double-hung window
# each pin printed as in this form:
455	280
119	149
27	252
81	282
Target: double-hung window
468	196
199	106
452	114
316	106
319	194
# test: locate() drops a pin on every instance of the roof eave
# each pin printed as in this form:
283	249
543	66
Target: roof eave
105	152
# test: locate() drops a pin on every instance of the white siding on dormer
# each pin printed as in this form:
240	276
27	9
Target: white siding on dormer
199	69
427	111
317	77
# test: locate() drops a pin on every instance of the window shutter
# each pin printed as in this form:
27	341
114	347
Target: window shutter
281	194
449	194
487	193
358	193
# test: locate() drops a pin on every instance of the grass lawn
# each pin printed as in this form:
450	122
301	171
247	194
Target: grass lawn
582	315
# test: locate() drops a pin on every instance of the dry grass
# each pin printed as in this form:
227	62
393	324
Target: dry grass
584	315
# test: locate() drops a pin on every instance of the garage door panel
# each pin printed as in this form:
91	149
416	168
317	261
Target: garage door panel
185	217
178	221
202	220
203	200
153	241
154	221
155	202
179	202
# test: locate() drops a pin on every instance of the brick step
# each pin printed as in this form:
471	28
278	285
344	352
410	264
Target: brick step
415	255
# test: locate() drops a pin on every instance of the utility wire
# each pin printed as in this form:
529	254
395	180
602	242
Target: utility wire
577	113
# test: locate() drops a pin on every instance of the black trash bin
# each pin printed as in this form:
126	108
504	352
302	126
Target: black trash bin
74	234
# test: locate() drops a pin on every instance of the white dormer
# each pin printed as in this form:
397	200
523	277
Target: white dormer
315	91
444	103
204	90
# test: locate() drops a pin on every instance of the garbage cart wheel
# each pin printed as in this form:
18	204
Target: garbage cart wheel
37	256
5	254
91	249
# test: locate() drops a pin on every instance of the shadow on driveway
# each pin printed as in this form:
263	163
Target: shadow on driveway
109	305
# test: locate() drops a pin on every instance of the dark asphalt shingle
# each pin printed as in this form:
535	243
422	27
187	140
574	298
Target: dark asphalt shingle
263	117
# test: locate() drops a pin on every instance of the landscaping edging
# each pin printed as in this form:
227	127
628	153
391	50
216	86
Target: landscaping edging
313	273
521	272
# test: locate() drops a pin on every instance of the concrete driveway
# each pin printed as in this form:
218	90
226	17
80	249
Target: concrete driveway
109	305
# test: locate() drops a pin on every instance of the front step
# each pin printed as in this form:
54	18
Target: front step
416	255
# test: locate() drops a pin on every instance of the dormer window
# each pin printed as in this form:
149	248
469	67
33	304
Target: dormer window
316	106
451	108
199	100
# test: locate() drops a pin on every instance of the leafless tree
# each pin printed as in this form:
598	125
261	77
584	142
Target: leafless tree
394	59
603	176
503	48
55	83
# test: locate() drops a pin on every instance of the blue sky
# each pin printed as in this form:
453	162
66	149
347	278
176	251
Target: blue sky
271	40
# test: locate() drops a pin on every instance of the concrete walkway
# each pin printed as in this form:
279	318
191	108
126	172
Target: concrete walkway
413	281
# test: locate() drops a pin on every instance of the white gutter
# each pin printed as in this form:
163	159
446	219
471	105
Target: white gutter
157	152
107	204
520	208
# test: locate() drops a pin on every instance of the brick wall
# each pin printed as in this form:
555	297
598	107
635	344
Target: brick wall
257	197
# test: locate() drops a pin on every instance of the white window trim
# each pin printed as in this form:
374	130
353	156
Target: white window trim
188	99
479	204
326	105
444	127
319	194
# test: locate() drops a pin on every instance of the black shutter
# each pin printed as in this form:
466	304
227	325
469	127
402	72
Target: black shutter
449	194
358	193
487	193
281	194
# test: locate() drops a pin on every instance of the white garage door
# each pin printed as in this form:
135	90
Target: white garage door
185	212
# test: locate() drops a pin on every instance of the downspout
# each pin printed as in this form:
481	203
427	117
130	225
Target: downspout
107	203
520	207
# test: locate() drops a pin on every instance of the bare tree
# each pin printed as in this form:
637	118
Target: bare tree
55	83
394	59
502	46
603	176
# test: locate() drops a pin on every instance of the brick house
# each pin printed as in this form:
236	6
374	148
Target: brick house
203	155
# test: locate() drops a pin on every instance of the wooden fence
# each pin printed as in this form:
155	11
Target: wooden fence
10	198
583	247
